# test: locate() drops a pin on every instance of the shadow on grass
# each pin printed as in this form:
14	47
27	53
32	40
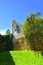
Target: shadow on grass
6	58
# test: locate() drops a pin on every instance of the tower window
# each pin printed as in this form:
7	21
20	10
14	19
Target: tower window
17	30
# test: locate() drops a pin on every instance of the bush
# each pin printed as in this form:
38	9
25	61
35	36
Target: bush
6	42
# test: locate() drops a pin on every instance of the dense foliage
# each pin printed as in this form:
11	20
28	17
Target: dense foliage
33	32
6	42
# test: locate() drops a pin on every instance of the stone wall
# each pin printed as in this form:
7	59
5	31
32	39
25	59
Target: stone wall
20	44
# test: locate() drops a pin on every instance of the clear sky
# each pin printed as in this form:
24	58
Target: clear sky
17	10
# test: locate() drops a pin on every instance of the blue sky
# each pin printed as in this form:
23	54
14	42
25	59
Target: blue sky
17	10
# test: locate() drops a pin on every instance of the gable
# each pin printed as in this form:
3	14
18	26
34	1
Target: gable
17	29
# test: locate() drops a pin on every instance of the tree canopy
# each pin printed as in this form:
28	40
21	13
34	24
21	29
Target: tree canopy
33	31
7	31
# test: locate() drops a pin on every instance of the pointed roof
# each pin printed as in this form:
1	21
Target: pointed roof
15	22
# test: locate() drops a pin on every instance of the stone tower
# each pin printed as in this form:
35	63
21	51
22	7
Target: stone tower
18	37
17	29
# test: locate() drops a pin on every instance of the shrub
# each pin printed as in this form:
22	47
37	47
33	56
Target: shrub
6	42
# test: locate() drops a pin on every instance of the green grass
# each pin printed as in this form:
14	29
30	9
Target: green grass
20	58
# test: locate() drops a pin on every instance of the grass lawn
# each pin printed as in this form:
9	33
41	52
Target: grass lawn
20	58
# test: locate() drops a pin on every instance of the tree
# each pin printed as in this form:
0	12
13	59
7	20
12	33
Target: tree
7	31
33	31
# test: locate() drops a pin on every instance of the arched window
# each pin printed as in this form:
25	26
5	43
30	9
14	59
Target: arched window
17	30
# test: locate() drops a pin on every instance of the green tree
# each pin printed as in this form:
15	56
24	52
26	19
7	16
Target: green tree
33	31
7	31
